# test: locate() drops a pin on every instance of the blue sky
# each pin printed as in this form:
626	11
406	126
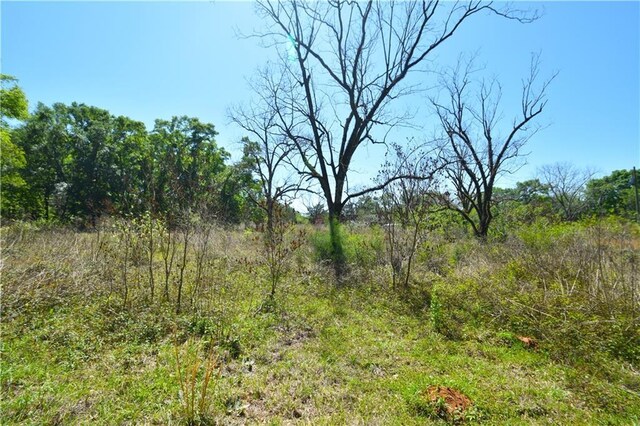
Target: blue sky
151	60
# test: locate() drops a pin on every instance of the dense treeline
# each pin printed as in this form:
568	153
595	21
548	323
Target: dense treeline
79	162
76	163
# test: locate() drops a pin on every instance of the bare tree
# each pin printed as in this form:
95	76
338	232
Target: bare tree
266	153
405	206
265	156
566	184
476	151
316	212
343	64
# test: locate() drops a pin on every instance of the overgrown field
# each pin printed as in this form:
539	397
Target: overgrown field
136	324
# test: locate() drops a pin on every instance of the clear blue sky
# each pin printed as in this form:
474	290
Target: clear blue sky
151	60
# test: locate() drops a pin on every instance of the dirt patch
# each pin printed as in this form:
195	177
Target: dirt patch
75	412
447	401
298	338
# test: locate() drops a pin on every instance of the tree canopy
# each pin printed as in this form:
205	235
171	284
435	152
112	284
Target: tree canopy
13	106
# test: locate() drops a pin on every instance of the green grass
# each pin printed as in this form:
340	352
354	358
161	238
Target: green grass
355	355
339	357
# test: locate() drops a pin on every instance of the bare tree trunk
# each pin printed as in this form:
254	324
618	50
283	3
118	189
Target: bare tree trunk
338	255
168	256
151	253
182	266
412	252
202	251
125	268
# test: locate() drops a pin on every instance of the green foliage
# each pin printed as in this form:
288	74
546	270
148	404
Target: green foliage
11	182
188	165
13	105
612	194
447	224
511	215
574	197
527	192
361	249
82	162
450	313
13	101
235	187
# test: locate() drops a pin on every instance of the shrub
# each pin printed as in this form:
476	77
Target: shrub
574	286
360	249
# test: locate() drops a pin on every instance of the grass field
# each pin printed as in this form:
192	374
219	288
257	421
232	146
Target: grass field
74	353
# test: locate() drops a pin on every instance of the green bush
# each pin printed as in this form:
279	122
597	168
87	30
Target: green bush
359	249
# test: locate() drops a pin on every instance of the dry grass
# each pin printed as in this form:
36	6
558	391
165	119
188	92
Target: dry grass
72	352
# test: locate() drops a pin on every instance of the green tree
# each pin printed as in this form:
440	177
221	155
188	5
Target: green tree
237	188
612	194
13	101
82	161
187	165
45	141
525	203
129	171
93	148
13	105
531	191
